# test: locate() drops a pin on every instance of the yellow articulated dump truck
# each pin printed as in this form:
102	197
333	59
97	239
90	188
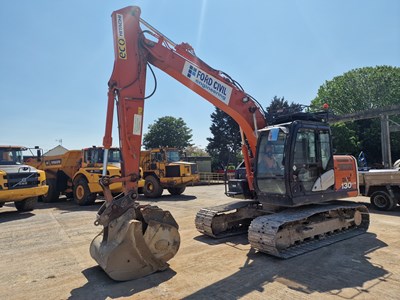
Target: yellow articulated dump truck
163	169
76	173
19	183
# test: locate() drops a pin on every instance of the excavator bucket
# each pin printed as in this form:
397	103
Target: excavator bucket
129	248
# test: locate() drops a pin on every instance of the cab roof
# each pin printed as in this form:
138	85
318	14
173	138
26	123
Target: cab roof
13	147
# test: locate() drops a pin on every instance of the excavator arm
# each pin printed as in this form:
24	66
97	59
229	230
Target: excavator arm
138	240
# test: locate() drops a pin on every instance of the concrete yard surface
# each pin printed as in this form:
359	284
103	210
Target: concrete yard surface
45	255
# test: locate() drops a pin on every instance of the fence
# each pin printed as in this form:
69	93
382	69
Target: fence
214	178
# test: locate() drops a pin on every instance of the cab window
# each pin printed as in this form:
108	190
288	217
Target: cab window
270	161
312	157
173	156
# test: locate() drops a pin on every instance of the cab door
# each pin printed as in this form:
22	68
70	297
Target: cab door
311	168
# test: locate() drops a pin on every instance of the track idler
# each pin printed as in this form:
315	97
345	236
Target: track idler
136	240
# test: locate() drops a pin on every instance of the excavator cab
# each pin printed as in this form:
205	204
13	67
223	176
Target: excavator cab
302	171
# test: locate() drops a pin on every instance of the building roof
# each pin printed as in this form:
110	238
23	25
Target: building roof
58	150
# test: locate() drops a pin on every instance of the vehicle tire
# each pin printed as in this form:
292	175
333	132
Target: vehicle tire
52	194
176	190
152	187
82	194
27	204
382	201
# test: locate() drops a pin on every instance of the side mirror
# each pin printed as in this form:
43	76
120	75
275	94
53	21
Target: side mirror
39	155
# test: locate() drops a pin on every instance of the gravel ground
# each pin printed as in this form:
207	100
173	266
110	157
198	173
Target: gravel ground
45	255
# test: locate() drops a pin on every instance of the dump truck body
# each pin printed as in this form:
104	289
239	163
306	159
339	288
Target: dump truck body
76	173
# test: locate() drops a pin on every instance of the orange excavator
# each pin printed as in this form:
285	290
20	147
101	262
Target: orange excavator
290	206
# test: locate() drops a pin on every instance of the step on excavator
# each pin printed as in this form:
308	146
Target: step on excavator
293	181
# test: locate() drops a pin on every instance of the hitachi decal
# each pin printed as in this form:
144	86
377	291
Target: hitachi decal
209	83
121	37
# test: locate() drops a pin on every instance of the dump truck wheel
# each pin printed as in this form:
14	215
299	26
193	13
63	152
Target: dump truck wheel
27	204
82	194
382	201
176	190
52	194
152	188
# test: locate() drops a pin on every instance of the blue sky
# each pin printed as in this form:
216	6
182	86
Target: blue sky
56	58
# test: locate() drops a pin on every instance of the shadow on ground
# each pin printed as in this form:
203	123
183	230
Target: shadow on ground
100	286
342	269
326	270
372	210
230	240
395	212
167	197
70	205
7	216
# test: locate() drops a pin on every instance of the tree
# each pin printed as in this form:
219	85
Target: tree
195	151
279	105
225	145
168	132
361	89
346	137
357	90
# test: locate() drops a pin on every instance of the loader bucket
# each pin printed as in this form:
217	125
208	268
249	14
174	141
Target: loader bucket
124	252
